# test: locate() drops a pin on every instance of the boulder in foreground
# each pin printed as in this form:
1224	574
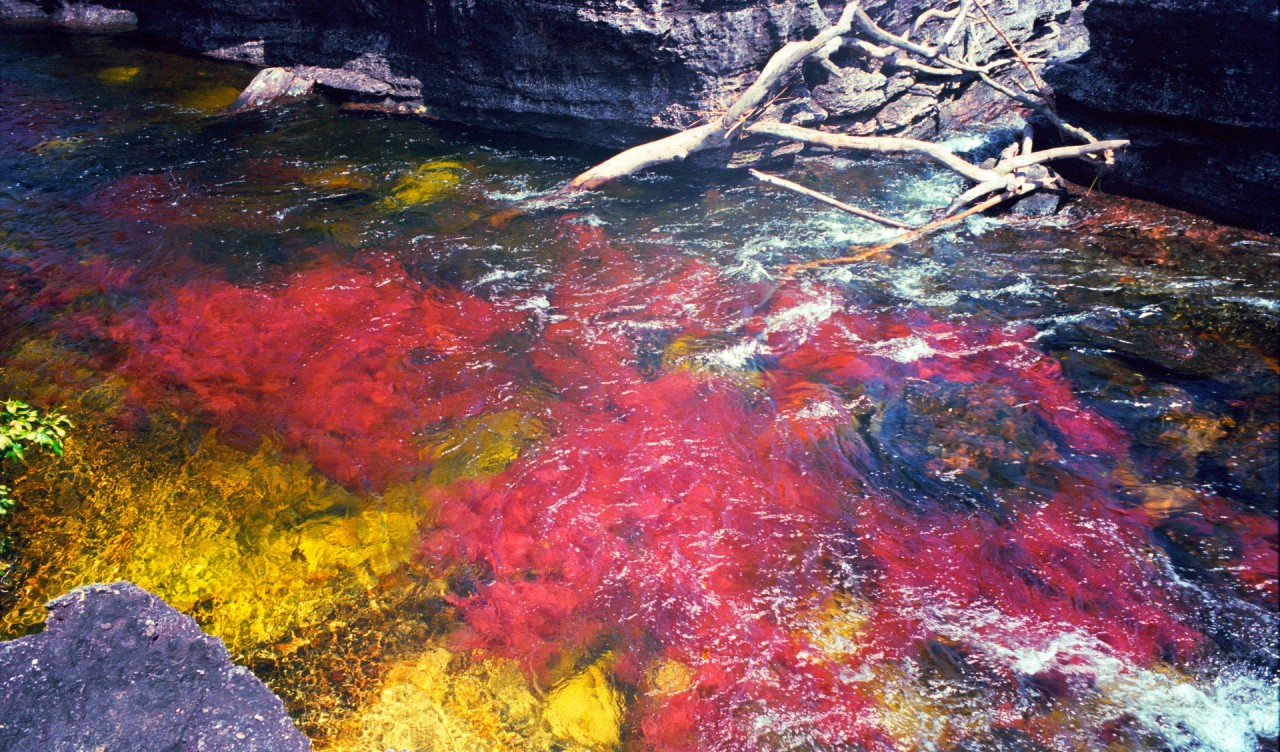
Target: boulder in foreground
117	668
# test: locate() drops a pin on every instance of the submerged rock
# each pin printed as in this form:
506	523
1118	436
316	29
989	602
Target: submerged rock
117	668
70	14
932	450
18	10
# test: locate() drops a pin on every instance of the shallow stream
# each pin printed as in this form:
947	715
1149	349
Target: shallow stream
447	475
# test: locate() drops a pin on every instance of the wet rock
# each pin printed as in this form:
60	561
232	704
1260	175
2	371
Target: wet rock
605	72
117	668
1168	379
965	442
1195	84
87	16
1044	202
18	10
272	85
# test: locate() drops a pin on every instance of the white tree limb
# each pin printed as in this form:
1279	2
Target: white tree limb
824	198
876	144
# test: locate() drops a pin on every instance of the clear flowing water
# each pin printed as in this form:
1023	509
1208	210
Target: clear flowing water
451	476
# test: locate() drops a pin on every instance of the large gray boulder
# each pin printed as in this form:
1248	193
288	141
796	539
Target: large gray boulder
116	668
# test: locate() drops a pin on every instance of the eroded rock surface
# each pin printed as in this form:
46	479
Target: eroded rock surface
116	668
1196	85
600	71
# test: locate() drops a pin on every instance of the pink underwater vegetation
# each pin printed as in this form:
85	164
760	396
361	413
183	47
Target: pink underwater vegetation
705	505
168	198
343	364
682	515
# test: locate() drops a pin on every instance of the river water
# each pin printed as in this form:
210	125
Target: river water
447	475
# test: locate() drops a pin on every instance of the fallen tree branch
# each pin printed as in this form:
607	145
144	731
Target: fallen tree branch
905	237
716	133
876	144
829	200
1061	152
783	62
961	17
673	148
1040	87
1080	134
1008	178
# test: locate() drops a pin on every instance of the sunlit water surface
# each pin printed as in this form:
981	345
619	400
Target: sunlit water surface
451	476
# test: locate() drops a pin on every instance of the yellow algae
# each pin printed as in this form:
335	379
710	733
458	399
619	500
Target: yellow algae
58	145
484	445
119	74
429	182
252	545
328	673
839	626
709	355
425	704
211	99
586	708
669	678
920	716
44	372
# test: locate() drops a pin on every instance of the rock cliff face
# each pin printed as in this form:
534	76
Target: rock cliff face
1193	83
116	668
600	71
1196	85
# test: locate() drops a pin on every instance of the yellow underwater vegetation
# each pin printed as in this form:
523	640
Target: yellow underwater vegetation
119	74
337	177
426	183
209	99
587	708
62	146
253	546
425	705
314	587
484	445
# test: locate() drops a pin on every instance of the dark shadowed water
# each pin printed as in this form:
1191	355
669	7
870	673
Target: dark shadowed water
451	476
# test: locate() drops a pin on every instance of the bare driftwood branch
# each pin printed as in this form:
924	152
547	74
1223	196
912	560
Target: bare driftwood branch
829	200
1061	152
1040	106
865	253
782	63
1007	179
876	144
962	15
1040	87
673	148
719	132
716	133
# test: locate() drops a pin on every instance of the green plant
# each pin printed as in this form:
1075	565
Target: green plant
23	426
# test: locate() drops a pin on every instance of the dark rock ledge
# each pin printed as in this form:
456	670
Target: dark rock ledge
1194	84
116	668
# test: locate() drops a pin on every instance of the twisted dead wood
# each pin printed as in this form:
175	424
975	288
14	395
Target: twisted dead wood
1007	178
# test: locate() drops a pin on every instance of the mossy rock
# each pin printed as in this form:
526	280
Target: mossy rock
427	183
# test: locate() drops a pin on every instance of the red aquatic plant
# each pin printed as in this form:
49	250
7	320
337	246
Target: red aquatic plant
1065	555
343	364
680	516
167	198
652	520
29	118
